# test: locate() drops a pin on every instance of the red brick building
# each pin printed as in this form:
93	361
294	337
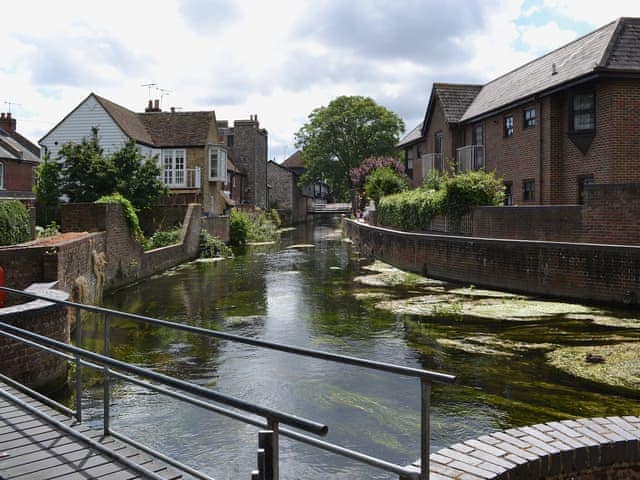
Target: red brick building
549	127
18	160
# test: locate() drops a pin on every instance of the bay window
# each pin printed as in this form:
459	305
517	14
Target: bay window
217	164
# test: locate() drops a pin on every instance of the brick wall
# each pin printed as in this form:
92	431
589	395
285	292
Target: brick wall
602	273
282	182
217	226
31	366
24	265
18	176
249	154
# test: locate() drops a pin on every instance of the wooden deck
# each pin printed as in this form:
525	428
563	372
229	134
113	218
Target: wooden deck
32	449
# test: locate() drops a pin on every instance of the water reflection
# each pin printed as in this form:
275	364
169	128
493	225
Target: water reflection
307	297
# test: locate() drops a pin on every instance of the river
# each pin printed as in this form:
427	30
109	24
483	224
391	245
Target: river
308	297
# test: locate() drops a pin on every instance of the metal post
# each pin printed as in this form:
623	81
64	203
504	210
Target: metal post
78	365
107	380
275	448
425	427
261	463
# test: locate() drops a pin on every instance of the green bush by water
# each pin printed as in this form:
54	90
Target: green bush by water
211	247
15	226
260	226
162	238
383	181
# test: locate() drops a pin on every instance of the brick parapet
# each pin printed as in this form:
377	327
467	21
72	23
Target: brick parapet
582	449
603	273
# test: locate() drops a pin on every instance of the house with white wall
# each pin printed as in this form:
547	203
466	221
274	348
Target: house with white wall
186	145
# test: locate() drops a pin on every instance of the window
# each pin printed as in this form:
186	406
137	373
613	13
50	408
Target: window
478	141
439	142
530	117
508	194
508	125
583	112
217	164
409	161
2	176
229	141
173	168
582	181
528	190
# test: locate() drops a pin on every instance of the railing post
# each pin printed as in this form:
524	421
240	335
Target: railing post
268	442
425	426
78	366
107	380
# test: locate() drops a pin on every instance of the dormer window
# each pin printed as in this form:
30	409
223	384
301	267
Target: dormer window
217	164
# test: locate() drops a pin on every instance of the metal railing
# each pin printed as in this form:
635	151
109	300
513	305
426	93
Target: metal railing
182	178
268	439
432	161
470	157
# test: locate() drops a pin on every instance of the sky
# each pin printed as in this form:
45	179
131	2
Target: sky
277	59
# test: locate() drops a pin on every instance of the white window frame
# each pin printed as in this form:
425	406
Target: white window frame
220	158
173	167
2	168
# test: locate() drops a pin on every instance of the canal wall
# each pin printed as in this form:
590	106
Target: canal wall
33	367
600	273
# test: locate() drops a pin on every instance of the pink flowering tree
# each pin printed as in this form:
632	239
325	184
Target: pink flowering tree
360	173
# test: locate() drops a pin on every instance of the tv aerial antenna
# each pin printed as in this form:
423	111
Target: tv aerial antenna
9	104
163	93
149	87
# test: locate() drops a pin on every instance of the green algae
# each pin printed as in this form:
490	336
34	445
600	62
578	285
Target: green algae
620	368
471	347
492	345
478	292
301	246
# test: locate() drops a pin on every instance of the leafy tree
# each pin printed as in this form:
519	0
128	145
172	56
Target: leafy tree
339	136
87	174
360	173
383	181
47	185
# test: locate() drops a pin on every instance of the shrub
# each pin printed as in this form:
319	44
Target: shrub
275	217
211	247
239	225
129	213
383	181
262	227
15	226
471	189
49	231
163	238
453	196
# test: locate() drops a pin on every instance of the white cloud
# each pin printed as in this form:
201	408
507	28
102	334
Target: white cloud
541	39
278	59
595	13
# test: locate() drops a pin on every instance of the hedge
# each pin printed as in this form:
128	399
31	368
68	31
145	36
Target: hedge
15	225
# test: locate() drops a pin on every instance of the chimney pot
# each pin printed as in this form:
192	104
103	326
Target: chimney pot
2	116
8	115
156	105
173	109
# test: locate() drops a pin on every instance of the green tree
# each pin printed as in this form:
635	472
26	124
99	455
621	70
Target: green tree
339	136
87	174
383	181
47	187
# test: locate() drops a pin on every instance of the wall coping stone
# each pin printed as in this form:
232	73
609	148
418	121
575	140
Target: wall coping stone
45	289
542	451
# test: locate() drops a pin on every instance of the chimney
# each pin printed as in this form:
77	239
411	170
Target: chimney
173	109
149	107
7	123
156	105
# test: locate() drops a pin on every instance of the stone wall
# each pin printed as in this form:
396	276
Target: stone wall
34	367
602	273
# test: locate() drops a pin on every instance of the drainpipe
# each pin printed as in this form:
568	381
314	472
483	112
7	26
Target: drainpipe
541	154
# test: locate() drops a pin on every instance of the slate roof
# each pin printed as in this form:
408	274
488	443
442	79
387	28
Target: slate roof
412	136
613	47
294	160
14	146
455	98
161	129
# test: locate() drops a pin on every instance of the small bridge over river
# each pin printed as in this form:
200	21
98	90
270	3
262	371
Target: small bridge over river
330	208
43	440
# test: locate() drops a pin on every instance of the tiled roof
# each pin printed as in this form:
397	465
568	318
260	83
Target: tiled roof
455	99
161	129
128	121
294	160
569	62
623	53
16	147
412	136
177	129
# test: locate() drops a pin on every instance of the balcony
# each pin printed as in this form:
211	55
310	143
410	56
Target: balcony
432	161
470	157
182	178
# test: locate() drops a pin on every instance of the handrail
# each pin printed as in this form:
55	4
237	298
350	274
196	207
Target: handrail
273	417
266	412
307	352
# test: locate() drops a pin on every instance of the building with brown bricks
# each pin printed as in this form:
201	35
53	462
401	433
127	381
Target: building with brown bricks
18	160
547	128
